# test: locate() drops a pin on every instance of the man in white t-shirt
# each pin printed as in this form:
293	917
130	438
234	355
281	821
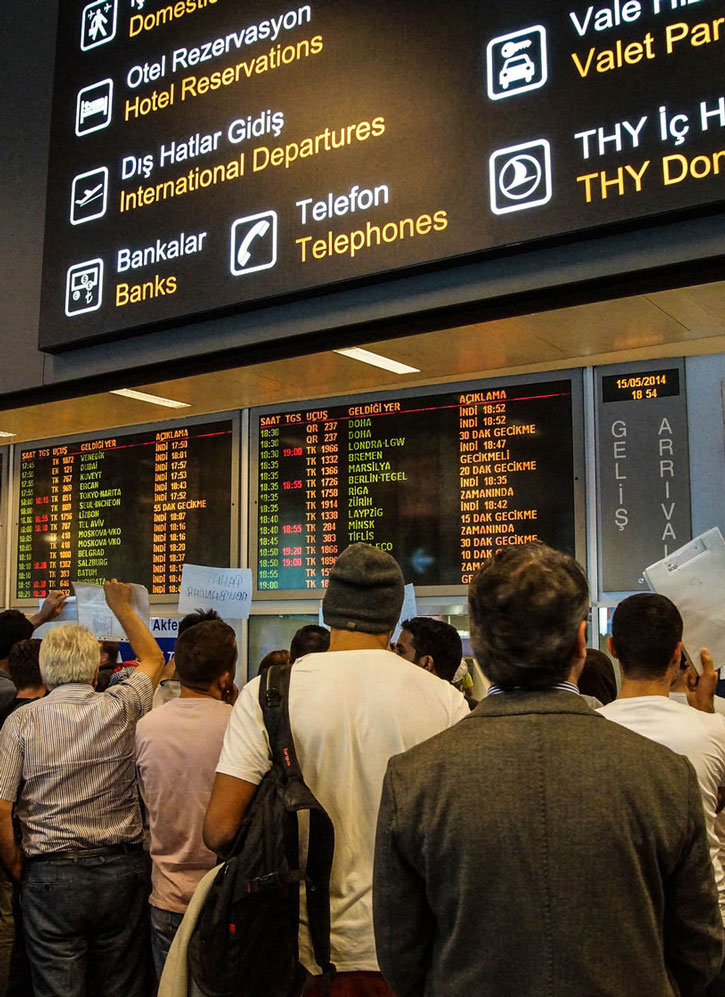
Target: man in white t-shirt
177	750
351	708
647	640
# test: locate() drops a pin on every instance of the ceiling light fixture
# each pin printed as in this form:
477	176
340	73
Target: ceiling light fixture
365	356
141	396
7	434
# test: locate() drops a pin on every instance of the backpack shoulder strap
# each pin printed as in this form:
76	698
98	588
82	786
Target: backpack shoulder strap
274	701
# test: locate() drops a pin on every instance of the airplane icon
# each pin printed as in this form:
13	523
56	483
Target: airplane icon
89	196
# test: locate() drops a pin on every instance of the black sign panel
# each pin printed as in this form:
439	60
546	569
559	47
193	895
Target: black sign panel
440	481
207	154
641	387
133	506
643	471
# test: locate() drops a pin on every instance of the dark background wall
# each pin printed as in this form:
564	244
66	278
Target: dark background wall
685	251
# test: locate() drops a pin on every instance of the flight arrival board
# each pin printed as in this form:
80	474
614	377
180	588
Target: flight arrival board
207	154
134	507
440	481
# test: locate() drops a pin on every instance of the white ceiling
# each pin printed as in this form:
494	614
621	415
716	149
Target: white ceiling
680	322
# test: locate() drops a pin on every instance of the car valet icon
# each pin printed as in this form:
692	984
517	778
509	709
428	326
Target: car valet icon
516	63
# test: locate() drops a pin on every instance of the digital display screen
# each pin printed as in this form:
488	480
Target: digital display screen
640	386
440	481
206	154
133	507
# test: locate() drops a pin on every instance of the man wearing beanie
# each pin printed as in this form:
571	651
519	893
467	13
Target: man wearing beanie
351	708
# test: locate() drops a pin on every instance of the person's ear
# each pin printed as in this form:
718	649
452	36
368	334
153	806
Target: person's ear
426	661
611	648
94	683
224	681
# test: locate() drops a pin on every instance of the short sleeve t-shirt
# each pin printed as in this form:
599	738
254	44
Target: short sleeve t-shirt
698	736
177	750
350	711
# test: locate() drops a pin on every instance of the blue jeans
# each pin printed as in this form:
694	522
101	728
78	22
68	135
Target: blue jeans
86	926
164	925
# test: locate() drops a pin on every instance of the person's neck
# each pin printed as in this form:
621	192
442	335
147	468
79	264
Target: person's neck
188	693
31	692
679	684
644	687
355	640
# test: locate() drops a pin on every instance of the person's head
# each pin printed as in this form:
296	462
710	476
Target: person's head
23	664
280	657
206	655
528	606
646	635
432	644
14	626
311	639
109	652
364	593
597	677
69	653
198	616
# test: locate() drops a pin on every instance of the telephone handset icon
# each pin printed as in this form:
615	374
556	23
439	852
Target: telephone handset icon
256	232
251	247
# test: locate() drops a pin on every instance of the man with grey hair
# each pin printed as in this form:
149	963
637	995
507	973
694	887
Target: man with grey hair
67	766
560	828
351	708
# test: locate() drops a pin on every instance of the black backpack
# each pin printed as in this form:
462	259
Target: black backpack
245	940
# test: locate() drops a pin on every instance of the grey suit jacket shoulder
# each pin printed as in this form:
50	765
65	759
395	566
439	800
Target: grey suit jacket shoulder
536	848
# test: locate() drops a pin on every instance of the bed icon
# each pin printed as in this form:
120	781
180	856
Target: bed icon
94	107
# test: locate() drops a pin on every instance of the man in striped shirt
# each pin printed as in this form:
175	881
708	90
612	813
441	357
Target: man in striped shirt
67	765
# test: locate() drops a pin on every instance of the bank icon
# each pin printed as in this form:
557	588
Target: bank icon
516	63
94	107
253	243
98	24
84	287
520	176
89	196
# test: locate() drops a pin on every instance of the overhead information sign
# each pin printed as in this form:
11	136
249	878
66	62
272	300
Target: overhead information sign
440	481
207	154
643	470
134	506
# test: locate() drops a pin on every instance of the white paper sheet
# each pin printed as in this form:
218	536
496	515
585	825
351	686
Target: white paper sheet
227	590
68	611
95	614
693	577
408	612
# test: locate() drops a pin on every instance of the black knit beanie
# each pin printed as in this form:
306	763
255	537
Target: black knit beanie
365	591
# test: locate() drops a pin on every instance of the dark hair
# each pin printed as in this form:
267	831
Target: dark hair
14	626
23	664
280	657
438	639
597	677
526	604
198	616
204	652
309	640
110	647
646	629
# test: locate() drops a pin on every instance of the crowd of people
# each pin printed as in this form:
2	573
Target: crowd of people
558	837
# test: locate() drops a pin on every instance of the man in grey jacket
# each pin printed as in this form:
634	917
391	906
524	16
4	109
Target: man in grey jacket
536	848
